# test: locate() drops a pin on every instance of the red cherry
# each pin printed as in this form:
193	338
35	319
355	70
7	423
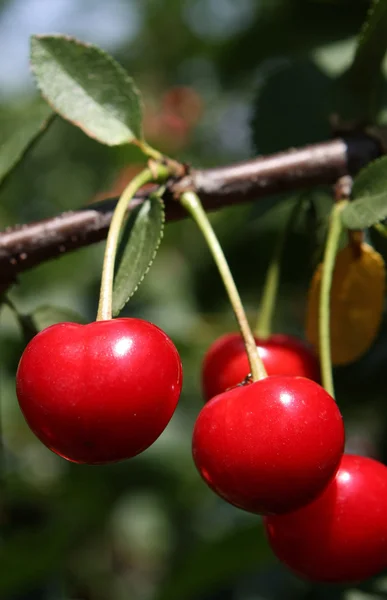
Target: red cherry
271	446
226	364
101	392
342	535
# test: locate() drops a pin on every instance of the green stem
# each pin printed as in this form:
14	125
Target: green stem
380	228
149	151
192	204
263	326
332	243
157	173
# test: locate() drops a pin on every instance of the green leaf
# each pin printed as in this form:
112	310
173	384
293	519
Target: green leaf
139	244
292	106
19	133
304	25
364	77
42	317
87	87
46	315
218	562
369	197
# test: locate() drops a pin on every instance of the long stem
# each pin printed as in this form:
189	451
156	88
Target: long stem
270	289
157	173
192	204
328	266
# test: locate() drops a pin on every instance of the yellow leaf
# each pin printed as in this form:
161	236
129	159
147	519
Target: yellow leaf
357	298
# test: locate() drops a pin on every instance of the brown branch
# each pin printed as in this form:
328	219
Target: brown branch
23	247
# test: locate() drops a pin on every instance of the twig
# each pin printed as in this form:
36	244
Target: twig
23	247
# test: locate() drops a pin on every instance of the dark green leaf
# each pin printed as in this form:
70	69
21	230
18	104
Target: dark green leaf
140	241
88	87
46	315
364	77
19	133
218	562
292	106
288	27
42	317
370	197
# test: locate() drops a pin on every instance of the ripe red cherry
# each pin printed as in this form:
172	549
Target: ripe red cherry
342	535
271	446
226	364
101	392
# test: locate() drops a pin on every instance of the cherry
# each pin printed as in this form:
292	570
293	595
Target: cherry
226	364
101	392
342	535
271	446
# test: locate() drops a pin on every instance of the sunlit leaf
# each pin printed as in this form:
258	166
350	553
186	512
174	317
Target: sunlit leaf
357	299
87	87
369	197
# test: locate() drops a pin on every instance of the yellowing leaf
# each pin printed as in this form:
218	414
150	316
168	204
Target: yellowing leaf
357	297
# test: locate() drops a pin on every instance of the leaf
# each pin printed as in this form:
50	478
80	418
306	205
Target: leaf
87	87
369	197
214	563
364	77
304	25
357	300
141	238
292	106
46	315
42	317
19	136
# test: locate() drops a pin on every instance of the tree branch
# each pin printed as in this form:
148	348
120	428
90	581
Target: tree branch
23	247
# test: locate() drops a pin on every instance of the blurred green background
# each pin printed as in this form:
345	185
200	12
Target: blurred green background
223	80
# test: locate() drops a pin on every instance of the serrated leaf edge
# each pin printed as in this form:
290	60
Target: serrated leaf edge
112	61
347	209
151	261
45	124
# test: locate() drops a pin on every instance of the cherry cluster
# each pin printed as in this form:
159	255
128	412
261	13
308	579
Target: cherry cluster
275	447
105	391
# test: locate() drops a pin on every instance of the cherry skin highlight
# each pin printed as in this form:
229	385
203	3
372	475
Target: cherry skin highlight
226	364
342	535
101	392
269	447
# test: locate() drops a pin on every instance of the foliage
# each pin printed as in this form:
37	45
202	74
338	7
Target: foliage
20	133
140	241
369	197
85	86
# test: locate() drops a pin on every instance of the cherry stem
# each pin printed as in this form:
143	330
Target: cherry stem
263	327
382	229
156	173
332	243
190	201
148	150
